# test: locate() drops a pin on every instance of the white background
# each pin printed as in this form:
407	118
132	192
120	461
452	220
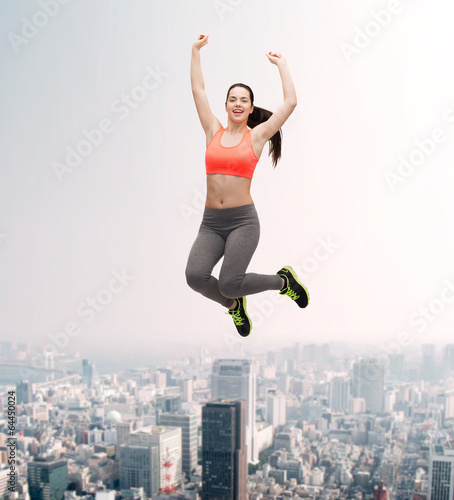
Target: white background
135	203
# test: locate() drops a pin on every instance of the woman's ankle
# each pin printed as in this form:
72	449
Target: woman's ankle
235	303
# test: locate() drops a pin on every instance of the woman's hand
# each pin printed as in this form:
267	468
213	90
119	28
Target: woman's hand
201	41
275	58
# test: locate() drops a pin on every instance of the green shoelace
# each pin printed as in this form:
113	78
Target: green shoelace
292	294
237	319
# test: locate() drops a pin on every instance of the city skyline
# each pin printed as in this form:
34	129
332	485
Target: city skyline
141	428
16	367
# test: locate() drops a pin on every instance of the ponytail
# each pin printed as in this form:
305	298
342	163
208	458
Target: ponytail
260	115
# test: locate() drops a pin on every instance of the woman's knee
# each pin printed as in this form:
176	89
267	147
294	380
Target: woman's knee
196	280
229	287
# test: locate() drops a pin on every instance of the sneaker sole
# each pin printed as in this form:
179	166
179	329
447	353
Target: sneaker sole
292	272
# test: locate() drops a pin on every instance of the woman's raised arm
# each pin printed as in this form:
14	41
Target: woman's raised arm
209	122
264	131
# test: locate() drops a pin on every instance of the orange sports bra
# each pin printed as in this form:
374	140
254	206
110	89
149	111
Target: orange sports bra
239	160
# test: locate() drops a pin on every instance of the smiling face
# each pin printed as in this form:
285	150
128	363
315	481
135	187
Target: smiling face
239	104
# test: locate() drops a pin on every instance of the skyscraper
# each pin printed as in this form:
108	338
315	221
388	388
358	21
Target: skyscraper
168	404
339	393
397	365
167	441
224	467
24	392
124	430
89	373
381	492
139	467
49	356
428	367
235	379
446	399
448	358
368	382
188	425
4	478
441	473
275	408
186	390
47	478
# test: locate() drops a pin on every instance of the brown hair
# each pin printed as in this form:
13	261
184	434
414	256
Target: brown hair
260	115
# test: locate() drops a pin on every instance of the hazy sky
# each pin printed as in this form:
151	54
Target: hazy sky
96	242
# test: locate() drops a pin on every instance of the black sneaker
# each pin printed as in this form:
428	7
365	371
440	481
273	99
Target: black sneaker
293	287
240	317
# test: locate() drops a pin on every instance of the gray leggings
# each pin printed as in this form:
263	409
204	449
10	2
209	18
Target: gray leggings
233	233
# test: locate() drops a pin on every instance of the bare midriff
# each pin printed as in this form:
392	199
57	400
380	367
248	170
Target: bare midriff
227	191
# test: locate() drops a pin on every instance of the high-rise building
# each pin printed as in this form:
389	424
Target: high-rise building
47	478
448	358
139	467
49	360
224	466
309	353
276	408
356	405
339	393
283	383
428	367
4	478
186	390
441	473
89	373
397	365
49	357
381	492
188	425
446	399
389	401
388	471
168	404
271	358
24	392
368	382
235	379
167	440
124	430
313	353
160	379
169	381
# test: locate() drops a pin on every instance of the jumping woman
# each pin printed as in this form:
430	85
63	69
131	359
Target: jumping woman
230	226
